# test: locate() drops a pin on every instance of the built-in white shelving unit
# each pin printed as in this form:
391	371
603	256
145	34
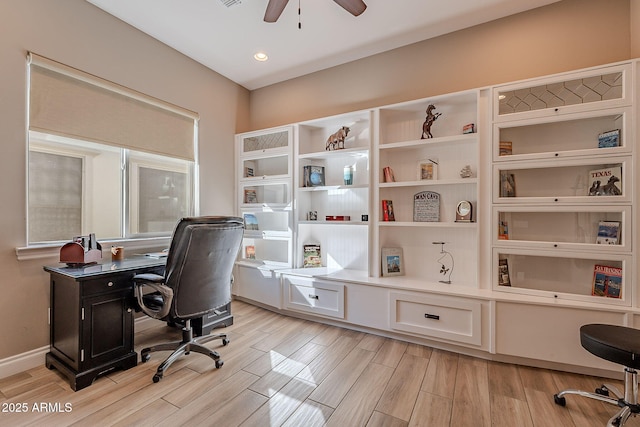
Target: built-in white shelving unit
546	224
344	243
399	146
265	200
521	274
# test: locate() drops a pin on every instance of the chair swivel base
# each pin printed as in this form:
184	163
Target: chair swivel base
620	345
627	409
184	347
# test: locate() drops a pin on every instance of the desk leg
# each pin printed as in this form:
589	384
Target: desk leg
80	380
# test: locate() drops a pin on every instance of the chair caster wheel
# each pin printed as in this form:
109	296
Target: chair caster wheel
559	400
145	357
157	378
602	390
225	341
219	363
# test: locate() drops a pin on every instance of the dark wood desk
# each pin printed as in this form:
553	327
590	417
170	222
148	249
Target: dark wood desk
92	315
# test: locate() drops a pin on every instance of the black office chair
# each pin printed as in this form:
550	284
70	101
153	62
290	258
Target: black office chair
620	345
197	281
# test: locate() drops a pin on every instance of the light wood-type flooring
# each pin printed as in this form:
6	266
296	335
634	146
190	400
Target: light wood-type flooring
284	371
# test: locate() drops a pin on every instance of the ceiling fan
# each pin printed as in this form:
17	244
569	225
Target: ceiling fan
275	8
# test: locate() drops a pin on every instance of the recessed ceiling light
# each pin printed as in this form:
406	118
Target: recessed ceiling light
261	56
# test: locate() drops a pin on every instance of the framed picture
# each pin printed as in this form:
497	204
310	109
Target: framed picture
427	169
392	262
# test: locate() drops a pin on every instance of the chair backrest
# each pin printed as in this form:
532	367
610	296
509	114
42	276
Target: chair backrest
200	263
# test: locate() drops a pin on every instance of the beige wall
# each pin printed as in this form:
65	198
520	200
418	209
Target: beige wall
635	28
563	36
78	34
567	35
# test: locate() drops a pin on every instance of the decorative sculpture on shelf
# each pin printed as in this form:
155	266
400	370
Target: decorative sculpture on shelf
446	256
428	121
336	140
465	172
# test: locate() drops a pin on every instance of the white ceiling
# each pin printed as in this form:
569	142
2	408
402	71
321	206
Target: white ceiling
225	38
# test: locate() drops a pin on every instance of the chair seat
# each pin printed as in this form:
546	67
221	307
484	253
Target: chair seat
617	344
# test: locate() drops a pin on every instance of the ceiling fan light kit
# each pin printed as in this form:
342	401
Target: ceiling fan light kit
275	8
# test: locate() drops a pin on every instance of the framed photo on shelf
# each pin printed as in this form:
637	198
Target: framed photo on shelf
392	262
428	169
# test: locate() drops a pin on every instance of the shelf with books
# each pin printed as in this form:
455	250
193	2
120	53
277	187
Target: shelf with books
264	199
402	198
563	184
588	180
447	161
265	193
343	245
269	163
561	275
332	188
573	228
422	180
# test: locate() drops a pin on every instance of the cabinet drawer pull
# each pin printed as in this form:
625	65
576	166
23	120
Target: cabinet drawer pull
110	284
314	296
431	316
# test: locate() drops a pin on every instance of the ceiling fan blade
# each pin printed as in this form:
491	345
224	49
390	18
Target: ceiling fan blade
354	7
274	10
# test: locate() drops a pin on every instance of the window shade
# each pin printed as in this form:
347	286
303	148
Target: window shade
69	102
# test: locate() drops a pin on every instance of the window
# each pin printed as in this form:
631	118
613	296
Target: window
78	187
104	159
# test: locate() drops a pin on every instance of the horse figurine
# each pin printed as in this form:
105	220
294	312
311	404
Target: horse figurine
335	140
428	121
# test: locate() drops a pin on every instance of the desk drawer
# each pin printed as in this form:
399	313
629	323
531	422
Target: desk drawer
314	296
107	284
450	318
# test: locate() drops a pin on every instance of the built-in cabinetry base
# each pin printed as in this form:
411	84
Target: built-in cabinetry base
548	167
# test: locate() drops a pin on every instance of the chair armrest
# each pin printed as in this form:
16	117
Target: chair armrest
155	282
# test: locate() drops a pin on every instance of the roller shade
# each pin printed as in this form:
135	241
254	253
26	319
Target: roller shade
69	102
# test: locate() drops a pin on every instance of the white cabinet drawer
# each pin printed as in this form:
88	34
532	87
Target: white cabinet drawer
314	296
454	319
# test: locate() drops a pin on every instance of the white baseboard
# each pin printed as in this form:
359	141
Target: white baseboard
21	362
32	359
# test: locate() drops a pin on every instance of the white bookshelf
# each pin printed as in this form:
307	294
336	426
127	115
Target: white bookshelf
552	127
399	146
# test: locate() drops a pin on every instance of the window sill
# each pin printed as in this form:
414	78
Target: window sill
130	247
